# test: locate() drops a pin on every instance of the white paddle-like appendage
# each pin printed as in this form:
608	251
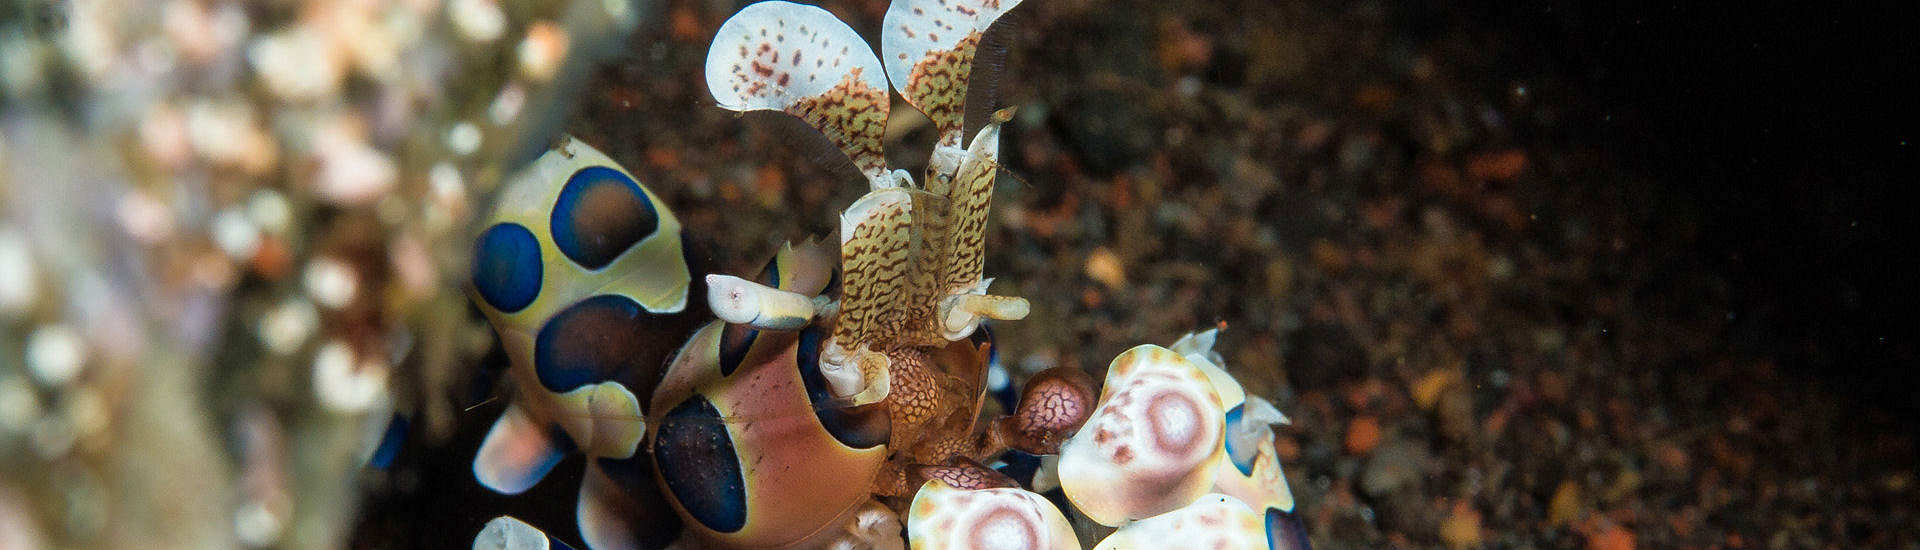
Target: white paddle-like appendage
800	59
928	47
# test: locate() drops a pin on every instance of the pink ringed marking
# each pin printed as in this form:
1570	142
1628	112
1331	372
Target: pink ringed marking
1174	434
1003	525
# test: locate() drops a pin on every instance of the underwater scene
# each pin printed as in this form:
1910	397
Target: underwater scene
953	274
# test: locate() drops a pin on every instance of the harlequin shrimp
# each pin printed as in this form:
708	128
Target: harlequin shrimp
841	386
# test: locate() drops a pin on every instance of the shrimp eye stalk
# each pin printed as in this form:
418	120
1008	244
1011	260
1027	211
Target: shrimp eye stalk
742	302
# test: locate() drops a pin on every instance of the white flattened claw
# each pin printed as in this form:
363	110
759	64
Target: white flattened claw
946	518
774	53
1214	521
928	47
1153	443
800	59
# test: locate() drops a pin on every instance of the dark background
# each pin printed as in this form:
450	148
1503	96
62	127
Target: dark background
1784	130
1787	129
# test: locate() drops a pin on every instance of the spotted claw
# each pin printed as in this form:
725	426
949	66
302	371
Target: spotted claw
1213	521
1152	443
982	511
800	59
929	46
